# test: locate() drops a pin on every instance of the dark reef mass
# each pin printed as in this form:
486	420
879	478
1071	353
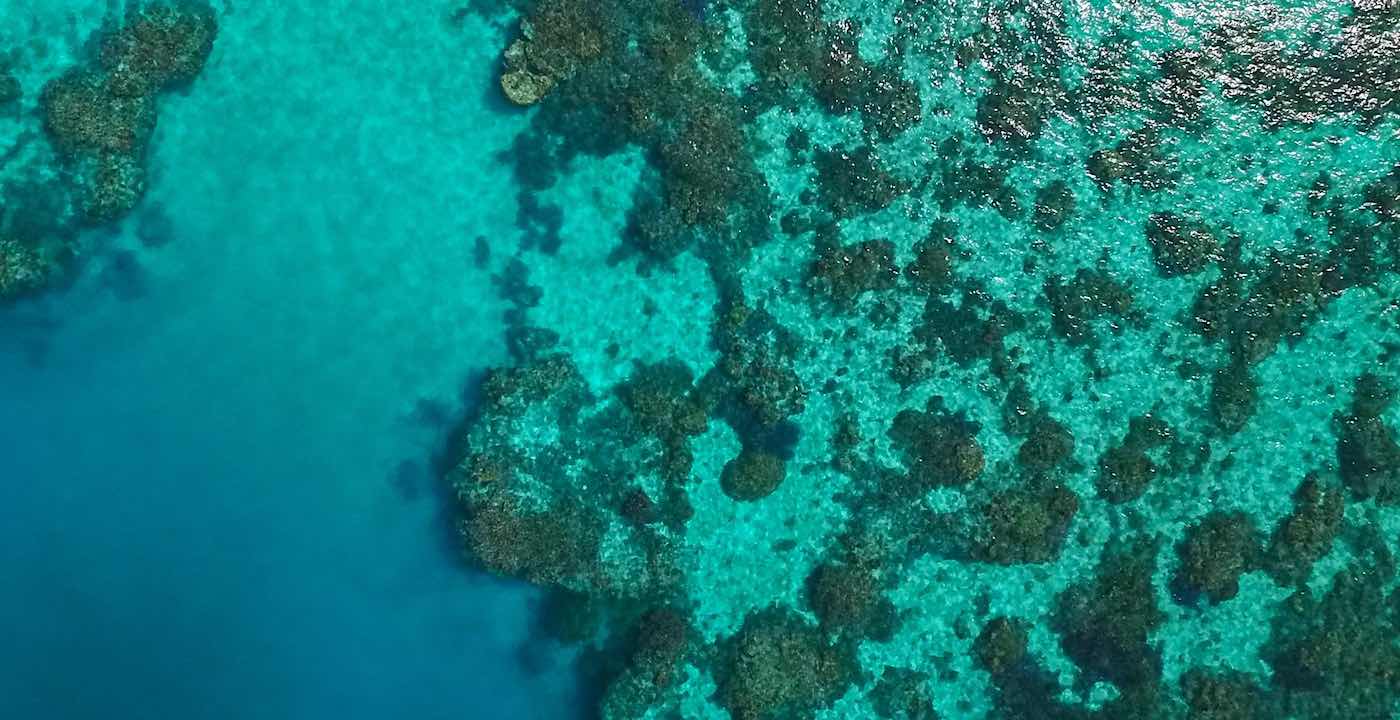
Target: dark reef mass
99	118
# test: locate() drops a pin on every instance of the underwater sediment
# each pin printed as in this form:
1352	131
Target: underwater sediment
993	359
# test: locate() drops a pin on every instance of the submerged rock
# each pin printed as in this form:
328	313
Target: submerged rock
21	270
10	90
753	475
779	666
1215	552
556	39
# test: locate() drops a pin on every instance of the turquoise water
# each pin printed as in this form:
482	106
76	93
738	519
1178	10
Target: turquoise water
772	358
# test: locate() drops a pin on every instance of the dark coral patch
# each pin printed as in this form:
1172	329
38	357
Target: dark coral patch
753	475
1024	525
777	665
939	448
1213	555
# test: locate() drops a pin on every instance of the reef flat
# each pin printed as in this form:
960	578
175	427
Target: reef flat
953	360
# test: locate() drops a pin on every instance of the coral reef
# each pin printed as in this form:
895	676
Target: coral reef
1104	622
939	448
846	599
854	181
1306	534
101	117
1024	525
21	269
845	272
556	38
777	664
1089	295
1225	696
163	47
1126	470
1214	553
10	89
1001	646
1180	246
1048	444
1367	452
1010	307
1327	655
753	475
900	694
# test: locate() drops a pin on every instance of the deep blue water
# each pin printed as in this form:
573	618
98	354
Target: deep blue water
180	544
177	542
216	492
